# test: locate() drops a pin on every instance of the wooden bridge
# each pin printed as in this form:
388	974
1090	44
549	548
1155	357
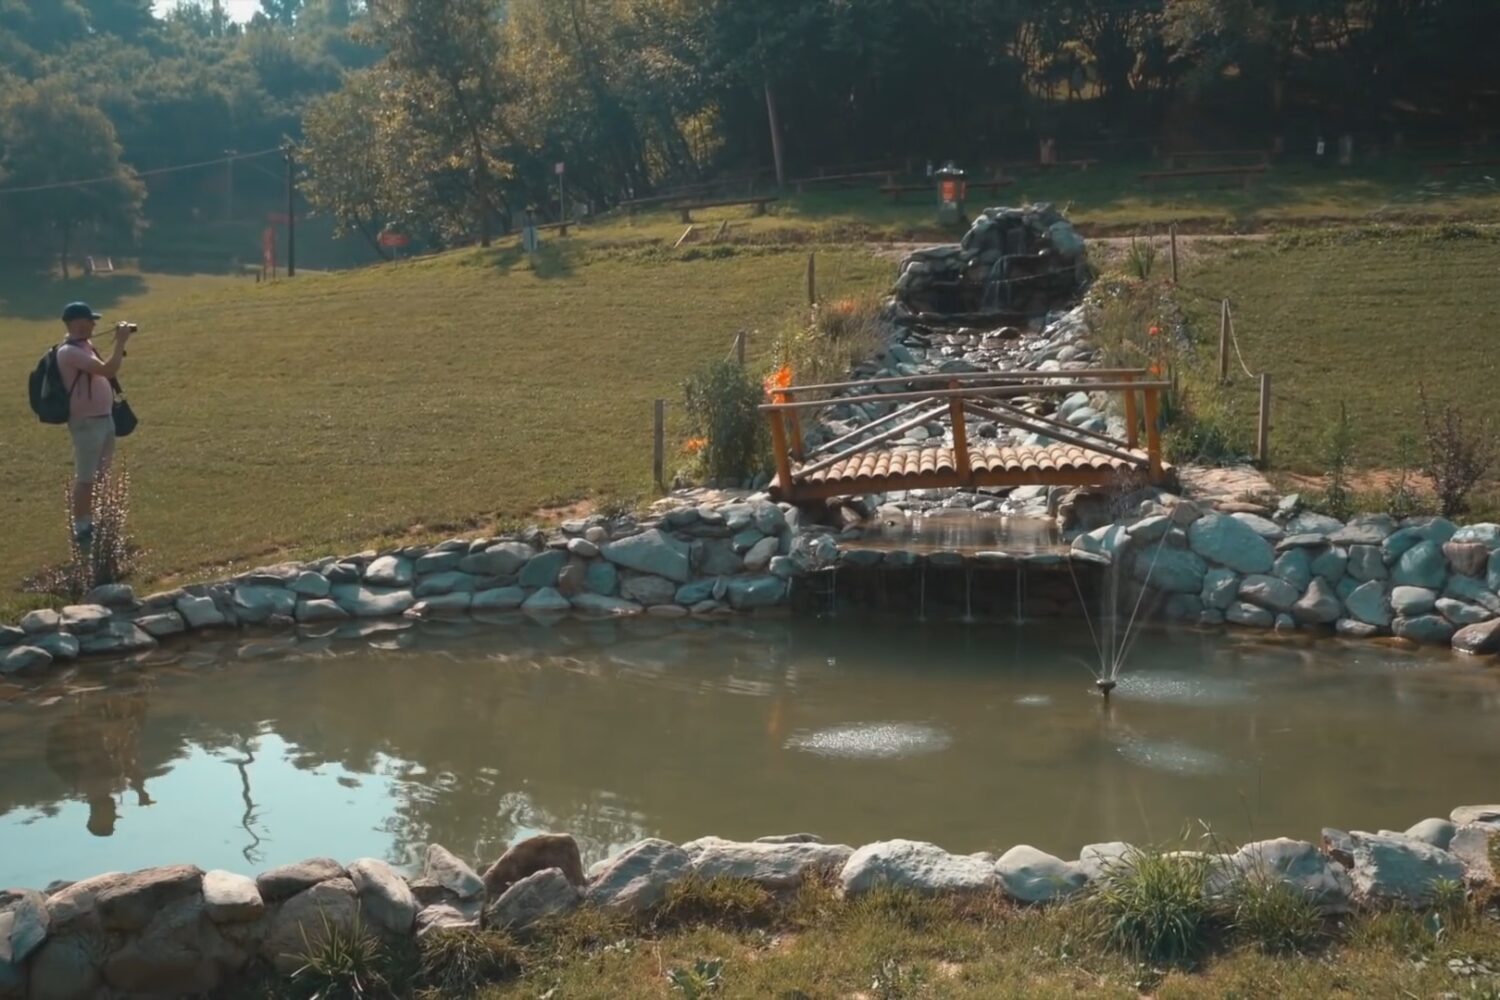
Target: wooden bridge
866	461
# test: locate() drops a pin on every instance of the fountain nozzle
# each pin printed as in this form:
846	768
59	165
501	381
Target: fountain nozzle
1105	686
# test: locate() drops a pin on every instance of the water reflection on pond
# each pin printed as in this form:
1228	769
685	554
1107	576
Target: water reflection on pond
244	753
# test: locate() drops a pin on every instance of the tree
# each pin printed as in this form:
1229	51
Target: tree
281	11
446	56
343	156
67	153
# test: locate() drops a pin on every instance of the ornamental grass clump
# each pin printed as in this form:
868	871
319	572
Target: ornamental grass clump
1275	917
1153	905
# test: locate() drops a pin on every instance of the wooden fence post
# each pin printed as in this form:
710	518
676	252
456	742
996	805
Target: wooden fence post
1263	428
1223	341
739	347
812	279
659	443
1174	253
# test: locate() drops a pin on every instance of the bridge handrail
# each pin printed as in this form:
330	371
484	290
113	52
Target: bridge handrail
1012	374
1007	391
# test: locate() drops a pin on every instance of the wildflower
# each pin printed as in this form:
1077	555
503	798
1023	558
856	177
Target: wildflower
693	446
780	379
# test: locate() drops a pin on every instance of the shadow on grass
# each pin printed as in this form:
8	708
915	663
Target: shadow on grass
553	260
31	291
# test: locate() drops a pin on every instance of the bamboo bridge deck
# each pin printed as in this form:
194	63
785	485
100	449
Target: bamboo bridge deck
869	459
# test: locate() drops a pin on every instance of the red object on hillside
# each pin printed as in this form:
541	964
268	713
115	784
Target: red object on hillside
390	240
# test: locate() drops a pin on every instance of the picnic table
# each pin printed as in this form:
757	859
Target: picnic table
685	210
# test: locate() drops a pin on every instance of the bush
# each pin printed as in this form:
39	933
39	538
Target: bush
1141	260
1459	454
1402	499
722	403
1152	906
113	555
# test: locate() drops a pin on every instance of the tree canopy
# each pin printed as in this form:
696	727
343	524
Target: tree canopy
446	117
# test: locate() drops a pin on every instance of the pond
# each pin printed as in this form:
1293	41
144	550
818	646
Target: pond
249	752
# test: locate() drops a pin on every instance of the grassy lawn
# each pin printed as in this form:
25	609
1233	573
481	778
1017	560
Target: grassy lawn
1110	198
1359	317
322	413
734	940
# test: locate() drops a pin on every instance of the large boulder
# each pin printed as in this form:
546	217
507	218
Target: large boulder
1294	863
389	571
1221	588
288	880
532	855
384	896
542	894
1467	558
637	879
747	593
1366	563
1270	592
1367	529
1319	606
918	866
1331	563
1487	814
775	866
231	899
1474	845
1222	539
1435	831
1175	571
1424	628
1480	640
304	922
650	552
1032	876
1412	601
446	870
502	560
1368	603
24	924
1395	869
1096	860
179	952
67	967
367	602
129	903
1422	565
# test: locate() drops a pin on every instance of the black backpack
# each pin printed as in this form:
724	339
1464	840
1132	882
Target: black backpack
49	397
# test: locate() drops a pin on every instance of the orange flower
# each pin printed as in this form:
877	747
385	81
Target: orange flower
1155	330
781	378
694	445
1155	368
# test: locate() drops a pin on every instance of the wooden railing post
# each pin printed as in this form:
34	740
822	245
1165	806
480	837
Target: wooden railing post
960	437
1132	418
779	446
1153	435
1263	424
659	444
795	418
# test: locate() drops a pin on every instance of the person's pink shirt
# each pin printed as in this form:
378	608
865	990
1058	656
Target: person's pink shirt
90	395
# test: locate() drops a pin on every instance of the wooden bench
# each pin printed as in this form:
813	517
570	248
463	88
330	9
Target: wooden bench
1171	159
685	211
844	180
1244	173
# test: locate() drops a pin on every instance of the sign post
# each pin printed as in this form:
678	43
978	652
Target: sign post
268	252
561	168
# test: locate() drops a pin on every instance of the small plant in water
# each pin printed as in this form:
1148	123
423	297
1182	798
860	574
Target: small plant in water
706	976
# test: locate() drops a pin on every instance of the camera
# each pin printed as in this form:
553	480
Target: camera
128	327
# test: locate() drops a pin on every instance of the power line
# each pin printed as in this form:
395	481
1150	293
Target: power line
142	173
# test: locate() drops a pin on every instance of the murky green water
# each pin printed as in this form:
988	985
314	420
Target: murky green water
247	753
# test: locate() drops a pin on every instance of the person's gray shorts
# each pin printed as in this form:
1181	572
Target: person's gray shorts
93	444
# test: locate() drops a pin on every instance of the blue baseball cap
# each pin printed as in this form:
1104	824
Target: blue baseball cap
79	310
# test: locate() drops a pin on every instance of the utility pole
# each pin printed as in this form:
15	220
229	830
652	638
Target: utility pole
229	155
291	213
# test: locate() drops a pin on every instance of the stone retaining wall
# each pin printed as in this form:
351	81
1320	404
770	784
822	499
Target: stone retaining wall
178	930
1422	579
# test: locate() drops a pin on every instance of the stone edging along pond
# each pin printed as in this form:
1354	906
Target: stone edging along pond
178	930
